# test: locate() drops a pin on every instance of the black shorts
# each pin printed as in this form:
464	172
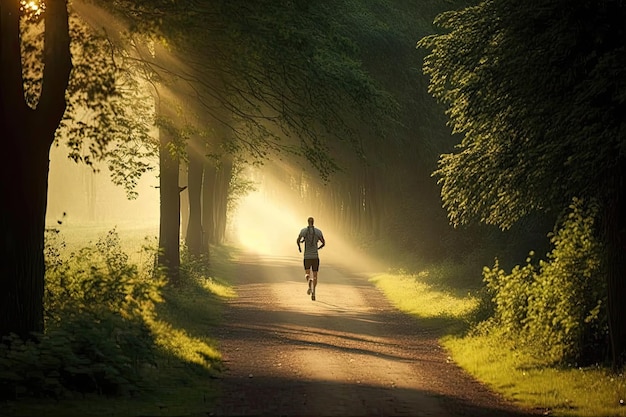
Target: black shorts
312	264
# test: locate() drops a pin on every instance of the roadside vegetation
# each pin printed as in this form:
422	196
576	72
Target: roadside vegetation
118	340
536	334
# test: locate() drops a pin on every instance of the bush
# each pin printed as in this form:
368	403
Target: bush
96	339
554	306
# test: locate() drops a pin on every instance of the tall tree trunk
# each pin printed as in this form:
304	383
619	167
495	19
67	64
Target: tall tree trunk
208	203
184	203
615	240
374	209
169	230
194	180
27	135
24	185
222	192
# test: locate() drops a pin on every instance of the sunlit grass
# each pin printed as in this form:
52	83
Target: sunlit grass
581	392
434	306
427	301
185	347
219	289
133	237
576	392
182	322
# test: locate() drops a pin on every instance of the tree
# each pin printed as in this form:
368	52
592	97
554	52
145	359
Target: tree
538	94
195	175
28	133
42	66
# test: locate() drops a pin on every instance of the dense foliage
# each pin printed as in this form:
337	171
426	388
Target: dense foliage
554	307
537	93
97	339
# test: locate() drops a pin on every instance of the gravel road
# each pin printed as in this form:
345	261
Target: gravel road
349	353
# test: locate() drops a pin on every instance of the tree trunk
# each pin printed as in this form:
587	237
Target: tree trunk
24	185
194	180
169	230
184	203
27	135
221	198
208	194
615	240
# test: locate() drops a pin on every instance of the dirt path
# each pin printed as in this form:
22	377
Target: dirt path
350	353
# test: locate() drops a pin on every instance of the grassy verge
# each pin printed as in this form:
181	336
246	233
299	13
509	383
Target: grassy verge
580	392
180	381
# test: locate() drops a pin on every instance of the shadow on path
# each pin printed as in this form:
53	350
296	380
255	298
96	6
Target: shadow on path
348	354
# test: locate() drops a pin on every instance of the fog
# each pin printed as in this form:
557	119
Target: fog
264	222
266	226
78	196
267	222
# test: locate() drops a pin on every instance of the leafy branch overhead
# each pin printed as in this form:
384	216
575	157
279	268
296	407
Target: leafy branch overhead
105	120
281	77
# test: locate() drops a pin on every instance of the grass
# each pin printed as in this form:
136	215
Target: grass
133	237
569	391
187	356
432	298
433	306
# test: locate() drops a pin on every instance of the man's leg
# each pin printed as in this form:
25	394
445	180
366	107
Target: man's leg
307	276
316	267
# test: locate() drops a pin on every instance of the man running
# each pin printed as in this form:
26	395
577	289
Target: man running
310	236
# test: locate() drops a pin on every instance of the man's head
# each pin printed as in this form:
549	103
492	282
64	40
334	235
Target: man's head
311	220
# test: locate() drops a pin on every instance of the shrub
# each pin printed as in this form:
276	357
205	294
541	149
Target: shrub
510	294
96	339
554	306
565	314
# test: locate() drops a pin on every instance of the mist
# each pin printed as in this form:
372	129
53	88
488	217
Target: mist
268	220
77	196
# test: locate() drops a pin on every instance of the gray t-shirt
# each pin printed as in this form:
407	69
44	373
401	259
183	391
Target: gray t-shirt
311	236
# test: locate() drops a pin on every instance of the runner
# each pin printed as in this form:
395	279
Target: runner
310	236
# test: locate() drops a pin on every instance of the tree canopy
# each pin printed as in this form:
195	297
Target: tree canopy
281	76
538	94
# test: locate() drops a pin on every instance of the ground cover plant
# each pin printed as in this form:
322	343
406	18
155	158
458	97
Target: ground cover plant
119	340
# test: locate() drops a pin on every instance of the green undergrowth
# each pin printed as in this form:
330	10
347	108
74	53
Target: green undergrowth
120	340
432	298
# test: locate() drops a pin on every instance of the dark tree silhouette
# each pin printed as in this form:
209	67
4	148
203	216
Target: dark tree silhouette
27	134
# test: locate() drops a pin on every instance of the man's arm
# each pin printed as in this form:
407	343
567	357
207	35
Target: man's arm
323	243
298	241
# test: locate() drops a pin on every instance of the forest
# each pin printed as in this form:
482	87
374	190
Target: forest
485	134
